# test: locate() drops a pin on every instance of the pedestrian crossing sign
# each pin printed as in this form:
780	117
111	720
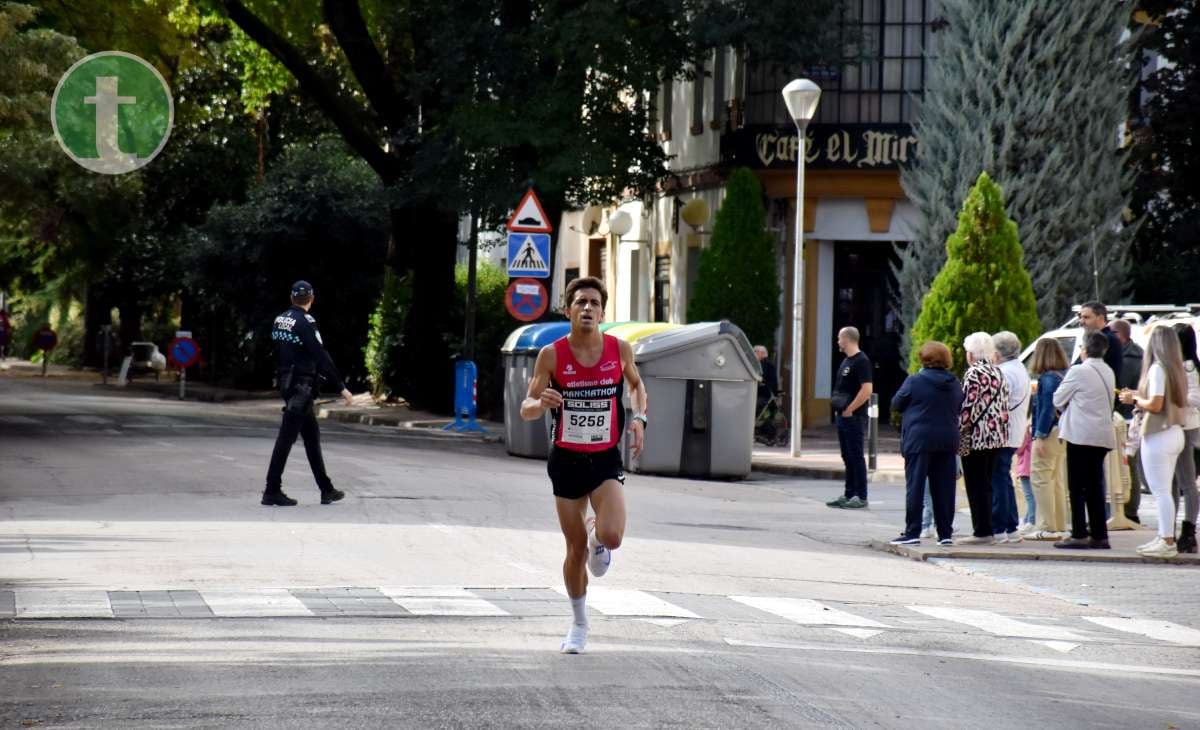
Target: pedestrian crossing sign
529	255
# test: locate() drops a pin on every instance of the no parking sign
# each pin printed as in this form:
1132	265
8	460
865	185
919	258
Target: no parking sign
526	299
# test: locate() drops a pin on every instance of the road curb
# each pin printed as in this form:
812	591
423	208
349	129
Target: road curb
922	554
879	476
400	423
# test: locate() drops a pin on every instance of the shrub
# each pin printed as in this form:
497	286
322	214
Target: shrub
983	286
738	280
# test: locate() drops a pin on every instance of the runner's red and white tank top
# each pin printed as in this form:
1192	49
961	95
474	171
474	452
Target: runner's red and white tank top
592	416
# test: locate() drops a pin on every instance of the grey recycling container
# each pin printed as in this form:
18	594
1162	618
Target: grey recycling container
520	351
702	382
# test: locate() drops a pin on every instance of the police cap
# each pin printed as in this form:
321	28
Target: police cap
302	289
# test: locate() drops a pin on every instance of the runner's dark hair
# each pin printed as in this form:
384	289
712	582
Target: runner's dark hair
586	282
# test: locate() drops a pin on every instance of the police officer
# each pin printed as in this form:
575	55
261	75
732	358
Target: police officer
302	361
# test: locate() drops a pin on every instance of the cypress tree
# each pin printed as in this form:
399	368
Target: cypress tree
738	280
983	286
1031	91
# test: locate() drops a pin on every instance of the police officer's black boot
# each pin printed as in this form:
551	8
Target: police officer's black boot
329	494
274	497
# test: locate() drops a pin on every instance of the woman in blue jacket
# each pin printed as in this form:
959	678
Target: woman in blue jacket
930	402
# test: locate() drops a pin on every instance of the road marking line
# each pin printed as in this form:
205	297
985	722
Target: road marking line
450	607
42	603
426	592
257	602
808	612
626	602
441	601
1109	669
1160	630
994	623
1063	646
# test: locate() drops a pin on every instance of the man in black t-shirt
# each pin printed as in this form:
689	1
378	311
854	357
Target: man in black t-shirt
851	391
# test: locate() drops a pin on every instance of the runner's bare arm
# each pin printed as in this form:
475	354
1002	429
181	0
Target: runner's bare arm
541	396
638	399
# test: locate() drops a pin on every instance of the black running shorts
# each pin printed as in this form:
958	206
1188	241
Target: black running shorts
575	474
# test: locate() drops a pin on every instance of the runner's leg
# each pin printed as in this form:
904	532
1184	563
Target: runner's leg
608	502
571	520
571	514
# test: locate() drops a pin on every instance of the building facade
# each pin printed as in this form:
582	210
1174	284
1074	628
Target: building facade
856	214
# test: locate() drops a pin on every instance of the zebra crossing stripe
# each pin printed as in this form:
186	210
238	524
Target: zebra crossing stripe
426	601
627	602
808	612
1158	630
994	623
43	603
255	603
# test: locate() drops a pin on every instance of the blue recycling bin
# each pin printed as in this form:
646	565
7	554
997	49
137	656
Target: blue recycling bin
520	351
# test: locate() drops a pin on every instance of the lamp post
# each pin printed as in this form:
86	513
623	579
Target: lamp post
801	97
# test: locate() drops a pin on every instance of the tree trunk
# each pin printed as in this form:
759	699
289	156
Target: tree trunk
429	255
96	314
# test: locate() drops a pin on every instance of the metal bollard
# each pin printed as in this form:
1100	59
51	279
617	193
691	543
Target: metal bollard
873	432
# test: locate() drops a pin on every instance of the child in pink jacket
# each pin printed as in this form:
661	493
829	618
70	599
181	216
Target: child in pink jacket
1023	459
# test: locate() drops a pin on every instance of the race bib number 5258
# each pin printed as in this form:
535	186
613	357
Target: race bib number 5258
587	422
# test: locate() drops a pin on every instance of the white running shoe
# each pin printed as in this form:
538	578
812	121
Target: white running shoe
599	556
1150	544
1015	537
927	533
1160	549
1000	538
576	640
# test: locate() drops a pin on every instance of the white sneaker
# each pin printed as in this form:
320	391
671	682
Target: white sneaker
1000	538
576	640
1160	549
599	557
1015	537
927	533
1150	544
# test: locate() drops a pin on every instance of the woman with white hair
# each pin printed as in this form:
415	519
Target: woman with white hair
1162	396
983	427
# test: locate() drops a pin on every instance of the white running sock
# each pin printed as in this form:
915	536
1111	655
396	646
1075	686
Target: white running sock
579	608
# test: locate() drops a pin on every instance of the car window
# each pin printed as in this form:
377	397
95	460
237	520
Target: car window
1068	346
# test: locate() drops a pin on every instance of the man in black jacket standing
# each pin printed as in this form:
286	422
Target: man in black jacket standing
302	362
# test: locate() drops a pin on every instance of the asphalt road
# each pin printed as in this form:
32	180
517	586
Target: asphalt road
141	585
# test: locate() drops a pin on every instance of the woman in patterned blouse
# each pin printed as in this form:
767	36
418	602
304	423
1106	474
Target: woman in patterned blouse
983	423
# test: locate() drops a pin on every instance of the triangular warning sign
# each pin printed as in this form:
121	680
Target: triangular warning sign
529	216
528	258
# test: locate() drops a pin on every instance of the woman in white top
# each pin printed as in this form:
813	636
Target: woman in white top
1162	395
1185	467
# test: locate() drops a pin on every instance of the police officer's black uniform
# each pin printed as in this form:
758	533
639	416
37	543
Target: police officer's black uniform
303	361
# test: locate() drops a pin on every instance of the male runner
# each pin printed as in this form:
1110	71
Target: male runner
580	379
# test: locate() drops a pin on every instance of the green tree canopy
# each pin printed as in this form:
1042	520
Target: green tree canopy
738	280
983	286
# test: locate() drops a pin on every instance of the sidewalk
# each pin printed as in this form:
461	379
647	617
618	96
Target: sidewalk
821	458
401	416
167	385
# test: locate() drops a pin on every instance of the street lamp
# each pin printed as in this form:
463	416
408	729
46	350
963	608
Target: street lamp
801	97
